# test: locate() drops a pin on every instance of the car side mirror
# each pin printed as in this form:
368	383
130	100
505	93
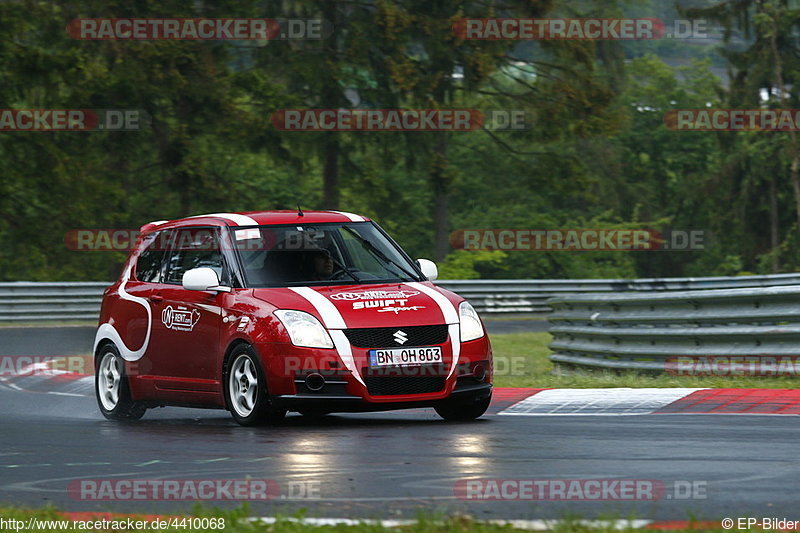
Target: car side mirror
202	279
428	269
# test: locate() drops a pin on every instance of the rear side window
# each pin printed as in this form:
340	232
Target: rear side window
148	266
194	248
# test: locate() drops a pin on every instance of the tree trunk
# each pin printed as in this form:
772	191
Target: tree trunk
794	154
440	226
330	172
774	237
793	175
330	98
441	190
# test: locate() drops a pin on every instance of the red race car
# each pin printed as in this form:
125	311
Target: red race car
268	312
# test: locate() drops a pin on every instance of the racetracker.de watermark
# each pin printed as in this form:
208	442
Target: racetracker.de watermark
125	240
578	489
494	29
191	490
733	365
733	119
93	522
72	119
378	119
575	240
193	29
583	29
34	365
107	240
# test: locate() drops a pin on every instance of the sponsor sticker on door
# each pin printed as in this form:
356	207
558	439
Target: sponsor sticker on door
180	319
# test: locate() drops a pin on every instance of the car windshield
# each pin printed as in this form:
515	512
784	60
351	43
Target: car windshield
320	254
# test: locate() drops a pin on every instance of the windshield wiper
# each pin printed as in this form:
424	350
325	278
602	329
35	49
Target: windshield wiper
375	251
344	269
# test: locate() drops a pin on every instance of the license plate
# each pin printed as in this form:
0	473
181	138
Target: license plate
405	356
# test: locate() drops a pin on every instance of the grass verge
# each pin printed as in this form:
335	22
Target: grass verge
521	360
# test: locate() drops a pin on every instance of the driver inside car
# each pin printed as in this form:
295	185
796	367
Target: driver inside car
321	264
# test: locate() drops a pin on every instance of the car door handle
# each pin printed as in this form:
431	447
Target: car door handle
155	298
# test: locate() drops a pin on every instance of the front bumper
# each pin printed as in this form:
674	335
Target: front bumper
287	367
357	404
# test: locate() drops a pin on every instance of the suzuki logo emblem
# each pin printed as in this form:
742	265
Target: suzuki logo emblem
400	337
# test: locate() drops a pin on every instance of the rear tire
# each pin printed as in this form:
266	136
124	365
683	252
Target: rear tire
112	389
461	411
246	392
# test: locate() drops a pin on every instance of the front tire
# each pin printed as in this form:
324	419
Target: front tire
246	392
112	389
461	411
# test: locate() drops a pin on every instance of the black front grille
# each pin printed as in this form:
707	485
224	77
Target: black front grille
410	371
393	386
384	337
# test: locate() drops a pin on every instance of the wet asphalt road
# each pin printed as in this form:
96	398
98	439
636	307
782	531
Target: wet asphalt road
46	340
396	464
401	463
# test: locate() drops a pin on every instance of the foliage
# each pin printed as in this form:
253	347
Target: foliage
596	152
461	264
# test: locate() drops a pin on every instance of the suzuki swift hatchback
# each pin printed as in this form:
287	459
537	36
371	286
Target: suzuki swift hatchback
269	312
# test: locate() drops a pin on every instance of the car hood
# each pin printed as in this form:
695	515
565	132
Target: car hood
369	306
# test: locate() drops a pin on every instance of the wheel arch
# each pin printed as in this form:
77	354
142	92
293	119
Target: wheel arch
232	345
102	343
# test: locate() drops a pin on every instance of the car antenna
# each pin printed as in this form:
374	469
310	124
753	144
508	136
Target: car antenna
300	212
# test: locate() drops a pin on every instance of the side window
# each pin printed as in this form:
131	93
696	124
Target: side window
194	248
148	265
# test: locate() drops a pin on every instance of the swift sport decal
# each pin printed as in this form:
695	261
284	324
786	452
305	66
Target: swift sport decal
382	301
372	295
385	304
180	319
396	310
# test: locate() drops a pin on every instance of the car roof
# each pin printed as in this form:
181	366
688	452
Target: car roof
256	218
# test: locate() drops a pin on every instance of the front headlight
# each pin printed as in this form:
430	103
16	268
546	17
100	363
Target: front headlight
471	327
304	329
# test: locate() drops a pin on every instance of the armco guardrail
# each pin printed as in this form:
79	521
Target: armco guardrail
32	301
531	296
645	331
